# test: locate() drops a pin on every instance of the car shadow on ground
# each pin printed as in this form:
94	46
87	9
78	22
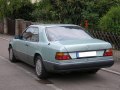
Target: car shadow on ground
64	77
76	76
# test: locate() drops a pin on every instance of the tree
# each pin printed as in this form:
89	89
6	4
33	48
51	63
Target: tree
69	11
62	11
42	12
24	11
111	21
93	10
73	11
10	7
3	8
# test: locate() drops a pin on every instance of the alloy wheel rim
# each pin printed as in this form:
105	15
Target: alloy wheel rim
38	67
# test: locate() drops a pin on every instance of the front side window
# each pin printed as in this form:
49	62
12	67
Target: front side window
66	33
31	34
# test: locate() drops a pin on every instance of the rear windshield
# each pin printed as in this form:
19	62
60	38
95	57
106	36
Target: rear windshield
66	33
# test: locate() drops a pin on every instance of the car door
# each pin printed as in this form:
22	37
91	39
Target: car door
20	49
22	45
32	44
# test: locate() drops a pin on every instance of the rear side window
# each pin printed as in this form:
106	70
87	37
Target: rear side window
66	33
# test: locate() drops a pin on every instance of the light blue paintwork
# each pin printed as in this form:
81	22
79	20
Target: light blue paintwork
48	49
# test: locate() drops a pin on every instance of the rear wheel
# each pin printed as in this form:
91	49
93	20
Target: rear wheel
40	69
11	55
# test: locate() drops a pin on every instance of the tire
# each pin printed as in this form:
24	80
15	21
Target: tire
93	71
40	69
11	55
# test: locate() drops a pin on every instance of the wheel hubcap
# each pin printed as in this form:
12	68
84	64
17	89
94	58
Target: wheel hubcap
38	67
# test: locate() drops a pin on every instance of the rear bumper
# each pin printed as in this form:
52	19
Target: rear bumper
83	66
61	67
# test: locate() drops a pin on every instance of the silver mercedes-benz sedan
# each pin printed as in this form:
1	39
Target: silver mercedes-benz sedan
60	48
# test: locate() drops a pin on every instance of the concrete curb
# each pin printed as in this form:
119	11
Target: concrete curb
4	38
111	71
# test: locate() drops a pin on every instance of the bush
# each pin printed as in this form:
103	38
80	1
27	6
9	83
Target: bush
111	21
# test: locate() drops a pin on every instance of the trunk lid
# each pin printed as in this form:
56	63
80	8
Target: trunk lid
85	45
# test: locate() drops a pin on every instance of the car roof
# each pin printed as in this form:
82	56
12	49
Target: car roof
52	25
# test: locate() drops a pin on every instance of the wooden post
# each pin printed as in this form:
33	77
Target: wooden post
19	26
5	26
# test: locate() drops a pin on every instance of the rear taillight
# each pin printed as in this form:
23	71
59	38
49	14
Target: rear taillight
108	52
62	56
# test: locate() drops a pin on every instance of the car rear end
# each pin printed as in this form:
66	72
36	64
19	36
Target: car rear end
81	51
84	56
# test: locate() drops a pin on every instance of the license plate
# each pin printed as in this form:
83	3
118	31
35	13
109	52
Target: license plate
86	54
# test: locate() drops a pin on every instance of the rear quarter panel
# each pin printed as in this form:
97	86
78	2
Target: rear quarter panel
49	51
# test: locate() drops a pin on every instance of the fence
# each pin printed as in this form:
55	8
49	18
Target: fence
113	38
11	26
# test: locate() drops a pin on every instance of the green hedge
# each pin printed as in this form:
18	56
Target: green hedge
111	21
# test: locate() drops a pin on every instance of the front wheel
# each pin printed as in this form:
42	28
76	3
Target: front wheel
11	55
40	69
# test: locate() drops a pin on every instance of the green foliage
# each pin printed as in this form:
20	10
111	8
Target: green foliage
93	10
111	21
43	11
73	11
7	7
59	11
15	9
24	11
3	8
102	6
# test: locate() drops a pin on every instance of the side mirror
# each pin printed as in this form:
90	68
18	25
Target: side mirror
18	36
